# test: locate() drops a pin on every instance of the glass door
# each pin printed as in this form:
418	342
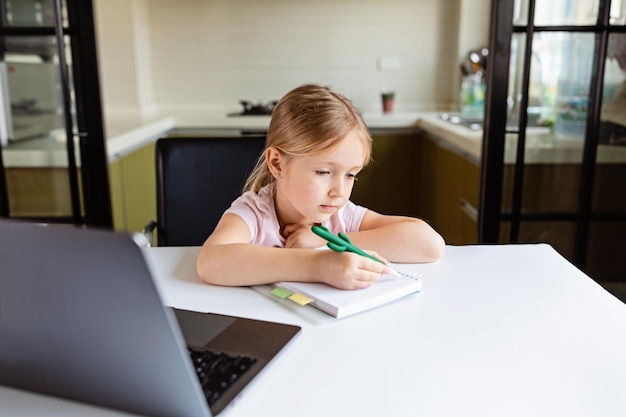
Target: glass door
554	149
53	165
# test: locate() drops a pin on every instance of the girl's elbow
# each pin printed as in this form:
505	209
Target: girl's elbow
432	245
433	248
203	269
436	248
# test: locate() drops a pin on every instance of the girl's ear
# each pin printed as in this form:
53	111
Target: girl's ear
274	161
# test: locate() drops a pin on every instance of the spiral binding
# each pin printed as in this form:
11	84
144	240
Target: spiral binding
405	272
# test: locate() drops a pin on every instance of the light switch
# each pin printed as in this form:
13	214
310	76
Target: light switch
388	63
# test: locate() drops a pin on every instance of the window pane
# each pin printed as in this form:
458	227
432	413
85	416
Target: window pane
560	12
613	116
566	12
31	13
520	12
618	12
572	89
558	234
558	92
32	131
516	71
542	81
31	89
547	188
610	173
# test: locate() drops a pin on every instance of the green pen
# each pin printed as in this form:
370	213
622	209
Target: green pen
341	243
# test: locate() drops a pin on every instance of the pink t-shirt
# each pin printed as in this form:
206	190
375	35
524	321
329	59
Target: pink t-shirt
259	213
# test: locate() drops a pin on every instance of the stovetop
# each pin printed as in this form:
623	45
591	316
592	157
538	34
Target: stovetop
255	109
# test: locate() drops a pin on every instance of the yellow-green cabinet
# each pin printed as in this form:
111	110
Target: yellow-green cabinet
39	191
133	189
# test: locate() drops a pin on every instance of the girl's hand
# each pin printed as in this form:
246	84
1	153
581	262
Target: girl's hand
347	271
301	236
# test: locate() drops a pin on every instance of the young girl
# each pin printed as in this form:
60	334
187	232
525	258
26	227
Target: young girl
316	145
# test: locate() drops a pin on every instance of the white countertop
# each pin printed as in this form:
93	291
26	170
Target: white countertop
125	135
129	134
541	144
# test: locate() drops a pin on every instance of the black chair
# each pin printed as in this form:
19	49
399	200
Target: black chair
197	179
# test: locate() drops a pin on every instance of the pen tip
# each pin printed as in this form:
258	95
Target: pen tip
393	271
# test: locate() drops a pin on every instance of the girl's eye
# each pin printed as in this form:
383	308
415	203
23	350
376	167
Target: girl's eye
322	172
352	177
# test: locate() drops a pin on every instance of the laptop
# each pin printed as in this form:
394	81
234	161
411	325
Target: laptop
80	318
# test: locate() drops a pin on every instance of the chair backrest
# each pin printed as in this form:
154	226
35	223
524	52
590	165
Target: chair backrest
197	180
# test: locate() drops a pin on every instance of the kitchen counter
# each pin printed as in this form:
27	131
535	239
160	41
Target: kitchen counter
542	147
126	135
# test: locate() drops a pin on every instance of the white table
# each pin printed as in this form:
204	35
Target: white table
510	330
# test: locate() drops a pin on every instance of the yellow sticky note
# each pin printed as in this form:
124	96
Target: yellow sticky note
300	299
281	292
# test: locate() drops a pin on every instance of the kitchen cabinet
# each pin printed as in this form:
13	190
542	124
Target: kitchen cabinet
419	175
449	184
389	185
412	173
38	191
133	189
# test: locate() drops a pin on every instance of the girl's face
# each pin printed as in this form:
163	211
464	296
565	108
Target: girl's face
310	189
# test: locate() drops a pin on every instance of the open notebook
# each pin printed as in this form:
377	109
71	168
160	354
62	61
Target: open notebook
343	303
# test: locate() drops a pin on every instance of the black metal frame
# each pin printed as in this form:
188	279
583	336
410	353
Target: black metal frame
492	166
94	169
492	156
95	209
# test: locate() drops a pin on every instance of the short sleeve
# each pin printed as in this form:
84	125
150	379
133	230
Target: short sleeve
347	219
259	213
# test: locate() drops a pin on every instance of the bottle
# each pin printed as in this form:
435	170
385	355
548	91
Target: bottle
472	96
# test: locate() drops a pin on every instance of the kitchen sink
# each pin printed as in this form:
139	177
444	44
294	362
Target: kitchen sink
475	123
469	121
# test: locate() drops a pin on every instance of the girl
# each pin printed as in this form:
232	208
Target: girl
316	145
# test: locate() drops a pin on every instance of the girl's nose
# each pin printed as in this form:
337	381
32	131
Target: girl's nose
338	189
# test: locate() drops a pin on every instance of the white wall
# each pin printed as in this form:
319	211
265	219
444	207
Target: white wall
206	55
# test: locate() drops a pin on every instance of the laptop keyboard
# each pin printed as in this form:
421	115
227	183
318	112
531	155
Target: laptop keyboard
217	371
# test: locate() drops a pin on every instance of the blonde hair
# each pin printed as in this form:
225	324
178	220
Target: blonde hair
307	120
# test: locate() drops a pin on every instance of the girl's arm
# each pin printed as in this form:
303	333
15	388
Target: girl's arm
227	259
398	238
